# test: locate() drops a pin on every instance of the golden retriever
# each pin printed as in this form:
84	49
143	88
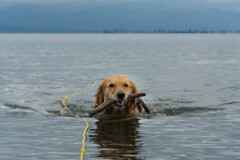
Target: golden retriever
117	88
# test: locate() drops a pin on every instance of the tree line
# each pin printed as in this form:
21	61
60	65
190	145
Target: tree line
172	31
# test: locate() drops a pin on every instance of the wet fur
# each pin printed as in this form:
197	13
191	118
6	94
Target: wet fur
104	93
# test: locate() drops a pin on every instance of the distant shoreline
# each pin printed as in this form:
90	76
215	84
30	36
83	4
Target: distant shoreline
178	32
24	29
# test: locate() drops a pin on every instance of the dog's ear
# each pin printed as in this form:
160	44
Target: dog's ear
99	95
132	102
134	88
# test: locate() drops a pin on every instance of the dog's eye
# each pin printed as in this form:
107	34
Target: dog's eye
111	85
125	85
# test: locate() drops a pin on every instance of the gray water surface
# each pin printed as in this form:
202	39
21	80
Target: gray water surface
192	83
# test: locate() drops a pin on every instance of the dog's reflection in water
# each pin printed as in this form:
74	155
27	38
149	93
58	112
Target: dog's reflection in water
117	138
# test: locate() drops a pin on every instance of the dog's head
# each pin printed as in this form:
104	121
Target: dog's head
117	88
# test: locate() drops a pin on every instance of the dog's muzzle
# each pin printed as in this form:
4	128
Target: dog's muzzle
120	99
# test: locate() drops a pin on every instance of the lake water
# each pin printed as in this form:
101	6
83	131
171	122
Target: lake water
191	80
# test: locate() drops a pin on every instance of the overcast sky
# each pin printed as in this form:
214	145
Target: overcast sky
91	1
182	4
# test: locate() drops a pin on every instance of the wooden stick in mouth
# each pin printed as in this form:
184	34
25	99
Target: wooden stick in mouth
110	101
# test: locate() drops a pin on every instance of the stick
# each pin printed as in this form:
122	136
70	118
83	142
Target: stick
144	106
109	102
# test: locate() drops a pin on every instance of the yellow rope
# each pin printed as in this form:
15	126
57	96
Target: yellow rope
80	91
94	83
64	105
85	130
84	137
66	97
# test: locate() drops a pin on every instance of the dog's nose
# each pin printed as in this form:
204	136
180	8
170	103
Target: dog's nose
120	95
